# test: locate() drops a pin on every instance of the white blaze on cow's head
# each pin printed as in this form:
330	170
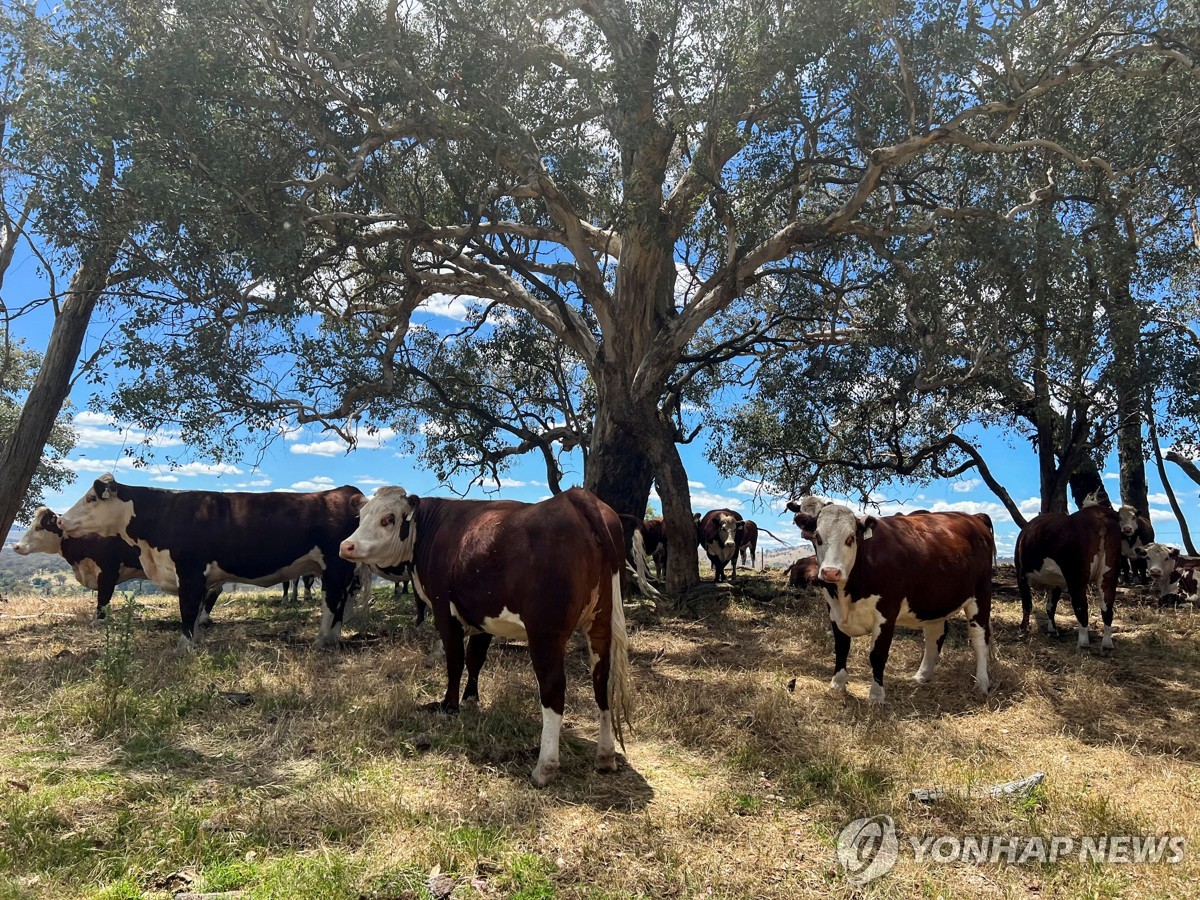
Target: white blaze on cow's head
100	511
836	532
1160	560
387	530
43	536
1128	516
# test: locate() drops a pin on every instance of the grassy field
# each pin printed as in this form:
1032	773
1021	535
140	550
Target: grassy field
260	766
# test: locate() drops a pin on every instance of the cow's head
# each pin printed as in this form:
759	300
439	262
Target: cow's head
1160	560
387	529
43	536
806	511
836	532
1128	516
100	511
728	533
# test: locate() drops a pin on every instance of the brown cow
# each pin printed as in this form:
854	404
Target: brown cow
721	532
1136	534
531	571
1067	553
803	572
914	570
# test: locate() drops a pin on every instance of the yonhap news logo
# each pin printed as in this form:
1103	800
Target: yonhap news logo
869	848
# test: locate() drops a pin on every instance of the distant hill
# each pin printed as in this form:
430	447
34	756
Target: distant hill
34	572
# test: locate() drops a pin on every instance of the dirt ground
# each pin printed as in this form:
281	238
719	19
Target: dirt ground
263	767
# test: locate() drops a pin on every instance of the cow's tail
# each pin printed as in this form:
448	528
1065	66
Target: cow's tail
640	568
619	699
987	520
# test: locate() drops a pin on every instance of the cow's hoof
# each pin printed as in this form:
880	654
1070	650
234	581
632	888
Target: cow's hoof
440	706
184	647
544	774
837	684
606	762
983	686
98	621
326	642
204	618
922	677
878	695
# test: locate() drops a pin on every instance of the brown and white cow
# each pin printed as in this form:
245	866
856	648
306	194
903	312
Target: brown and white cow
654	543
191	541
1170	572
99	563
914	570
721	532
1067	553
532	571
803	572
1136	534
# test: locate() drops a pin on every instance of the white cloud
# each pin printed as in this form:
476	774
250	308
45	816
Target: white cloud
195	468
966	485
165	479
100	430
1112	476
321	448
446	306
370	482
696	485
512	483
256	483
1160	499
317	483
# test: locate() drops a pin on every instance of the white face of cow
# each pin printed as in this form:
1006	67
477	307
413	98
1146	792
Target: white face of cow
43	535
835	538
99	511
726	532
1160	560
387	530
1128	517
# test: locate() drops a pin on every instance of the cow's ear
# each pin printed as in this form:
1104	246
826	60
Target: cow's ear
866	527
413	501
103	488
696	518
806	523
793	506
1174	553
356	503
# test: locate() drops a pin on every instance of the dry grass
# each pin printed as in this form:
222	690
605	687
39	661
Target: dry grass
125	773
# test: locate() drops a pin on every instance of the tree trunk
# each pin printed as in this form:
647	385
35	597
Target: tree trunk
1124	333
19	458
683	570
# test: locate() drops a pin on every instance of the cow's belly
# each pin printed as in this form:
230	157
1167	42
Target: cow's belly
128	574
1098	568
507	625
311	563
87	573
1048	576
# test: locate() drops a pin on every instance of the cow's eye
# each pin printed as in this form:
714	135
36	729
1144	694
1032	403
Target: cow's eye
849	540
389	520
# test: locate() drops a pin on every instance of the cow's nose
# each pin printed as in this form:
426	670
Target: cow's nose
830	573
1154	572
346	551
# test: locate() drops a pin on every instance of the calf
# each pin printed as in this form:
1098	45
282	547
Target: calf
99	563
191	541
915	570
1136	534
1067	553
654	542
471	562
721	532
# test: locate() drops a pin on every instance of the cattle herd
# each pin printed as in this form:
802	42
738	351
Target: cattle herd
471	563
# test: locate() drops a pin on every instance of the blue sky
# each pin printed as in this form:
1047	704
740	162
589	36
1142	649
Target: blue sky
306	459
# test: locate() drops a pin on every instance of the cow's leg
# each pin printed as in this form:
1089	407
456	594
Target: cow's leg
1123	568
547	656
1108	599
1078	592
308	583
1051	608
192	587
210	600
1026	599
335	582
979	630
935	636
841	653
477	648
420	609
106	584
600	654
451	632
880	648
718	568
